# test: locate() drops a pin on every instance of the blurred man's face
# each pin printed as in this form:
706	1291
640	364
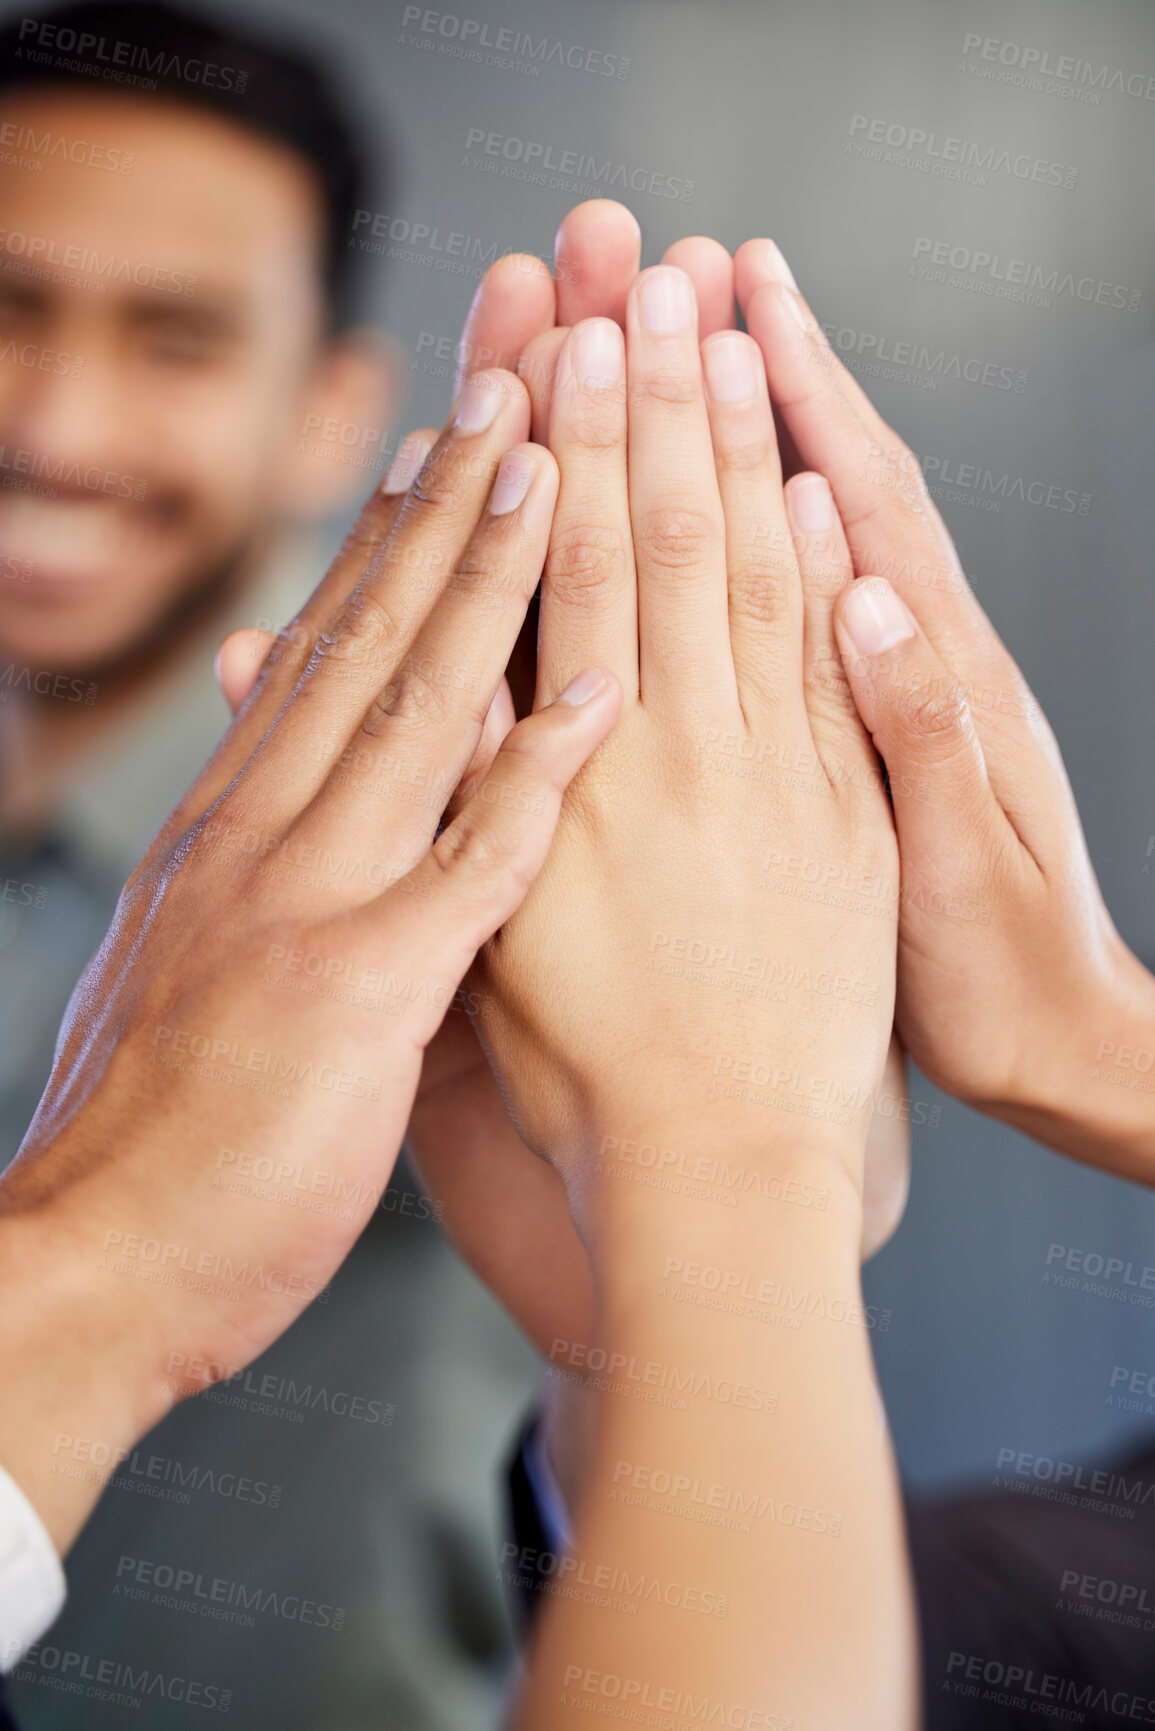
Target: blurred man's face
162	466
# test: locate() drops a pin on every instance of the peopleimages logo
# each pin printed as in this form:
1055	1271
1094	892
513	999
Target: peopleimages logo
114	1680
1015	1685
106	57
498	45
24	147
907	357
18	461
542	165
219	1596
1016	278
945	156
1031	66
36	253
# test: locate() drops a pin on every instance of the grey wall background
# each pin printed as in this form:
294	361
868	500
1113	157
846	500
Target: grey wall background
754	104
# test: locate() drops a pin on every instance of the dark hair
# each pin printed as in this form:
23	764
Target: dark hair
162	51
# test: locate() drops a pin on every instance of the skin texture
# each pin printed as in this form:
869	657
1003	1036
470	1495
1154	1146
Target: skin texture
1065	1092
723	614
1016	993
826	1379
290	850
689	572
505	1209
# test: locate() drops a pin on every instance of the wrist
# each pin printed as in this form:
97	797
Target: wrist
1091	1095
674	1231
81	1368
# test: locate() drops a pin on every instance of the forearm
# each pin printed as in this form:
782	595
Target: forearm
740	1467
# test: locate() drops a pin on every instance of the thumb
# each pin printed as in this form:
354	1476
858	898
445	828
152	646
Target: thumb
238	662
920	720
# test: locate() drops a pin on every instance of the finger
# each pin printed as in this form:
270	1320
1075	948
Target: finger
250	657
589	596
762	571
536	370
289	653
890	520
675	508
597	255
711	270
824	562
515	301
499	719
760	262
239	660
423	727
369	635
921	724
479	870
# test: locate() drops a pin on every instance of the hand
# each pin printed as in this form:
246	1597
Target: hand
699	990
278	964
1015	992
504	1208
707	690
501	1203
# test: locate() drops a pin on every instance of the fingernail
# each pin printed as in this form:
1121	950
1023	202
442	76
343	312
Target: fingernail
777	266
480	401
874	616
666	301
811	504
599	355
731	367
512	484
585	686
406	465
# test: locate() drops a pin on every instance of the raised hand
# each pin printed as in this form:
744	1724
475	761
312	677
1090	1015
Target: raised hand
1015	992
504	1209
706	966
280	961
727	658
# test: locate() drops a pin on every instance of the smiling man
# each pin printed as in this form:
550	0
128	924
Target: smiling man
178	347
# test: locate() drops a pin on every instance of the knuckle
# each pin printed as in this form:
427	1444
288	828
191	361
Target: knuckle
935	709
828	695
592	427
673	387
366	535
361	631
740	457
442	484
763	595
584	561
480	851
672	538
410	698
289	651
487	577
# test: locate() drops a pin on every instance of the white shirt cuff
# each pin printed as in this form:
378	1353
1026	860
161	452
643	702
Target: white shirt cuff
32	1586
